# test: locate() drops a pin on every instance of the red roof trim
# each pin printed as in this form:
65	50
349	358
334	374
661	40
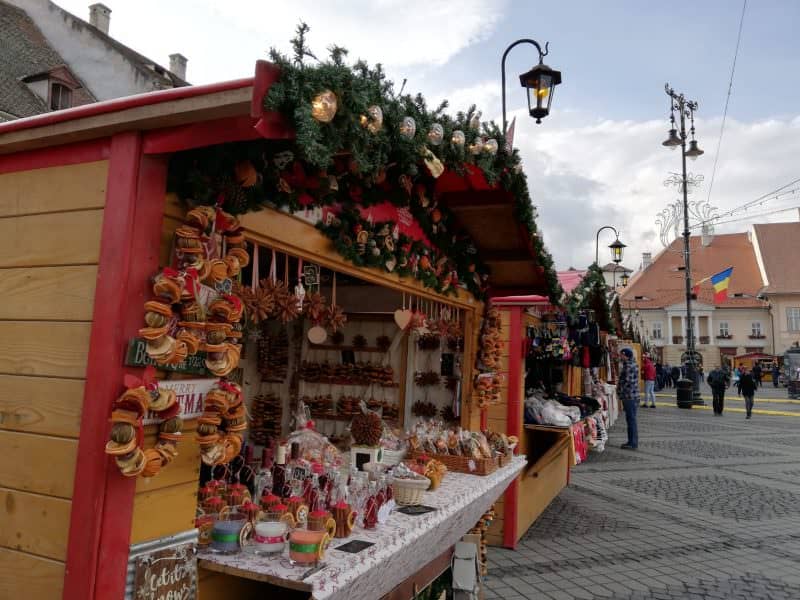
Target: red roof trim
118	104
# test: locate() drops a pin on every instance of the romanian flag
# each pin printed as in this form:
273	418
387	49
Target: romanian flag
721	281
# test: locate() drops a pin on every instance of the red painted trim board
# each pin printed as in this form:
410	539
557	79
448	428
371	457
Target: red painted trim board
513	419
119	104
68	154
197	135
96	480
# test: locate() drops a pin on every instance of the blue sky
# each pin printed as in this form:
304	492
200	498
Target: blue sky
598	158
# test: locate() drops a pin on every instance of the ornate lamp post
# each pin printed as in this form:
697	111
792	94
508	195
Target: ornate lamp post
624	280
616	247
540	82
685	109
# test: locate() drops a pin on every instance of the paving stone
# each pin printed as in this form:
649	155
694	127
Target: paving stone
707	509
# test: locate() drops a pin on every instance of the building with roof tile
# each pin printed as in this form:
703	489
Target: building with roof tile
655	300
52	60
777	249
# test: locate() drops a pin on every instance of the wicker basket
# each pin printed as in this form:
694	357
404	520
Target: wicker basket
462	464
505	460
408	492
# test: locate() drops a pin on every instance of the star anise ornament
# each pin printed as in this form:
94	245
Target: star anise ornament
314	307
335	317
288	308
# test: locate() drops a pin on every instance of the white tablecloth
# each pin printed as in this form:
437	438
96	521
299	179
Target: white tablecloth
403	545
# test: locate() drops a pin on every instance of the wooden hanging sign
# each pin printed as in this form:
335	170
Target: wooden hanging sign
169	574
136	356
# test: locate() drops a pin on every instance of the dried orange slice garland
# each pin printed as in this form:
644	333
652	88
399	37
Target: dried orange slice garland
177	324
220	427
127	430
172	335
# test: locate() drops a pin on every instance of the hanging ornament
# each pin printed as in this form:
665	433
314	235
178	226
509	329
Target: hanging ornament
475	121
476	147
323	106
373	120
490	147
436	134
433	163
458	139
408	127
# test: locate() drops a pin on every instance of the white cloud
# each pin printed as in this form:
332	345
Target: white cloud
612	173
223	39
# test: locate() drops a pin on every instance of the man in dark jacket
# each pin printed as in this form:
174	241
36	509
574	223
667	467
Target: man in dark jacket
718	380
747	387
756	373
776	374
628	393
676	374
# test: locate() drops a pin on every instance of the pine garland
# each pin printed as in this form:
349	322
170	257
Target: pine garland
345	162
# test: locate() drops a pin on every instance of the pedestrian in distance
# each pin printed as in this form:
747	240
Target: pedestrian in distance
659	376
649	375
628	393
676	374
747	387
737	374
718	380
776	374
757	375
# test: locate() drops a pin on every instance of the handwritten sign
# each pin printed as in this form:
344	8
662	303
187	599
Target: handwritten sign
136	356
169	574
191	394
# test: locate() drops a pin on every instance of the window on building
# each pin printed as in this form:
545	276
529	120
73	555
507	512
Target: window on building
755	329
657	330
793	318
60	96
724	331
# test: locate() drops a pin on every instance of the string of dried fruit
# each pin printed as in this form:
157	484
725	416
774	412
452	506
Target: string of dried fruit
490	346
273	355
429	342
362	373
427	378
220	427
424	409
266	414
127	431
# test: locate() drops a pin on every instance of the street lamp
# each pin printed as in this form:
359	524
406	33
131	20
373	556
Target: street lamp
540	82
616	248
624	280
677	137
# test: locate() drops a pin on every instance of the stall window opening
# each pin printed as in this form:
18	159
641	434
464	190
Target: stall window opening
793	318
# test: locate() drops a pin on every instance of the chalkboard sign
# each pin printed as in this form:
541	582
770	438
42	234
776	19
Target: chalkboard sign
169	574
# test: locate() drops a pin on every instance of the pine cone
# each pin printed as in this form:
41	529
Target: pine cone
288	307
367	429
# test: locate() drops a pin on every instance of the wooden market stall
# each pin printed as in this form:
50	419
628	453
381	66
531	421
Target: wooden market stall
547	450
85	221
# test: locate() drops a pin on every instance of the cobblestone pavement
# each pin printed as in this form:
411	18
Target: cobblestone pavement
708	507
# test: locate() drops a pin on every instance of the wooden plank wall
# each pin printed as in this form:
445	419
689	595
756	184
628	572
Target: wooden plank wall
50	224
166	504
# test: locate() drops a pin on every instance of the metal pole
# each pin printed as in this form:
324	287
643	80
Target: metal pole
503	72
691	367
597	242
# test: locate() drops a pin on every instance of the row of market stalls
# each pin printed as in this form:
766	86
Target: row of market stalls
210	292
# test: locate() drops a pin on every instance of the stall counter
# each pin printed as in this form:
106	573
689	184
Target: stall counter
403	545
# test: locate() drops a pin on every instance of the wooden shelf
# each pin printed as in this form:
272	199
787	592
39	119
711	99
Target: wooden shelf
392	385
335	347
345	418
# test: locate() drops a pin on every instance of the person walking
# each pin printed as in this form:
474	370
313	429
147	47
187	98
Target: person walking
628	393
718	380
747	387
676	374
659	376
757	375
737	373
649	373
776	374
